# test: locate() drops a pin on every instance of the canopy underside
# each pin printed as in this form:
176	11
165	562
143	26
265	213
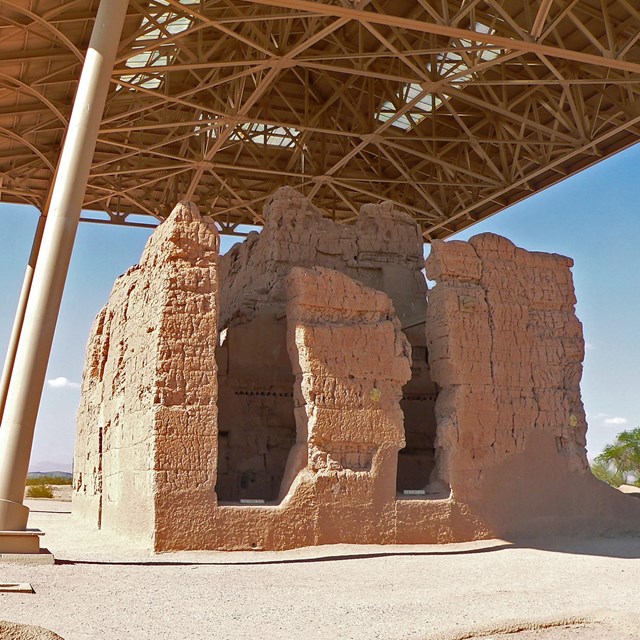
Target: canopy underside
452	110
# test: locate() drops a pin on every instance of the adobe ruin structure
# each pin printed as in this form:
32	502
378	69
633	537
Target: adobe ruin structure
300	390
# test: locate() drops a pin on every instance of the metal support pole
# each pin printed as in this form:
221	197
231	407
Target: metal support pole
29	370
19	319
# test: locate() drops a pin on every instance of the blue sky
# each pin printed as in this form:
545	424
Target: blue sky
593	217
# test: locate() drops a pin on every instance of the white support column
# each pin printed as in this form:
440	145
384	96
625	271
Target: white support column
19	319
32	355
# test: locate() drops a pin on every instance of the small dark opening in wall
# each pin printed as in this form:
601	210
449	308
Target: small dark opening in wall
417	461
256	420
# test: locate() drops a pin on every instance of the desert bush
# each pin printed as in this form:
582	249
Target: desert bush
56	480
607	473
39	491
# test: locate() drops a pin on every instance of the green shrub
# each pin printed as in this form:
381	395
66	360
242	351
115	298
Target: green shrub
39	480
619	463
607	473
39	491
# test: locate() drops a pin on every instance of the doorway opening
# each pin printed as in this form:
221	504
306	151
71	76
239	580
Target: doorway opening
256	421
417	460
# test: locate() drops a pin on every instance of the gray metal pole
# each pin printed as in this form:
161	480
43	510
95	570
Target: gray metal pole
19	319
29	370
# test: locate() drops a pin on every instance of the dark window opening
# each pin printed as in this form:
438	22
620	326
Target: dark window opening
417	460
256	422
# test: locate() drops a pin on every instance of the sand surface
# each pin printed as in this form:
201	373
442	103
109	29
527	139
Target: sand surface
103	587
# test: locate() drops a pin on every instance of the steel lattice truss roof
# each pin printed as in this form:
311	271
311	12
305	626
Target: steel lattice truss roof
453	110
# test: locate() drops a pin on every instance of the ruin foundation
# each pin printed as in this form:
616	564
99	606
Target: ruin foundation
300	390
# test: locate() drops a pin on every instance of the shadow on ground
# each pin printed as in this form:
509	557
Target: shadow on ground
626	548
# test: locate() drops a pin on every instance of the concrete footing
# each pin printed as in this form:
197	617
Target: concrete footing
23	547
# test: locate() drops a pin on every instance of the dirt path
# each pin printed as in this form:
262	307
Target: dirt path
103	587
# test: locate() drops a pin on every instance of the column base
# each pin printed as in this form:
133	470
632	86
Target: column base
13	516
17	543
25	542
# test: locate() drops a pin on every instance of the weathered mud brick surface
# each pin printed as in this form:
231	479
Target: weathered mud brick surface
304	413
382	250
145	461
351	360
506	348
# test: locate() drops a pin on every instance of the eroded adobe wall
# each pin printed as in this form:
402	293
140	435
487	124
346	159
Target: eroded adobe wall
87	464
350	360
506	349
112	456
145	459
382	250
504	346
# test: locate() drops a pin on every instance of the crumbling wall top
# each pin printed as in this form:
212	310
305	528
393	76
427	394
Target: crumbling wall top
296	233
184	235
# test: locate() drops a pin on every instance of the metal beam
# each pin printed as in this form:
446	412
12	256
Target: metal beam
510	44
541	16
192	107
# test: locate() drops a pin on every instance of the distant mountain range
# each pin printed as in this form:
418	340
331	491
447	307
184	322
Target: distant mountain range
50	468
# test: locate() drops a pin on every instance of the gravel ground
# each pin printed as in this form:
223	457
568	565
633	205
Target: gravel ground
104	587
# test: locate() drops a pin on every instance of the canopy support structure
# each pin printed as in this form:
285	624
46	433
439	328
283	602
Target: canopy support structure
19	319
45	295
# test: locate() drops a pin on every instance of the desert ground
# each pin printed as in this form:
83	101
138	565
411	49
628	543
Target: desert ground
104	587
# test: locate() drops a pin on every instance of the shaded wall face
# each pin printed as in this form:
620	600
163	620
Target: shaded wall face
87	479
382	250
113	470
256	417
416	461
506	348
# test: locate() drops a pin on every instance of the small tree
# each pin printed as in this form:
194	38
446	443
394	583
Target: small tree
619	463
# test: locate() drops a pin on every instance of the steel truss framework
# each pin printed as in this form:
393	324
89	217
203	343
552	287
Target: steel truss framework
452	110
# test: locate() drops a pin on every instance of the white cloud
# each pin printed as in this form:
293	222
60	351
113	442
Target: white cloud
62	383
616	420
589	346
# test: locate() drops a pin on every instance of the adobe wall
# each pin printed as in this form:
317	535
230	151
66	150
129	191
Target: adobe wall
146	441
350	360
506	349
382	250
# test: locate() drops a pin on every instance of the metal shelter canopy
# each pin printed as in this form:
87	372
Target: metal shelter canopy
452	110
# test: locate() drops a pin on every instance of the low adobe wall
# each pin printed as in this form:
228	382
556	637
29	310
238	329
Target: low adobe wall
505	350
